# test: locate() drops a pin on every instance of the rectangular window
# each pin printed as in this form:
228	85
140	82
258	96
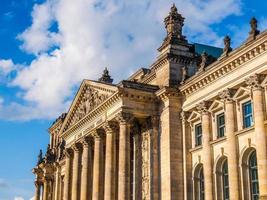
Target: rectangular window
198	135
247	114
220	125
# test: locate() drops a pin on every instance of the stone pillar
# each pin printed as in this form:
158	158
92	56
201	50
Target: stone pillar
231	147
46	188
207	158
75	172
37	190
137	165
98	167
155	158
67	177
110	162
86	182
57	182
261	144
124	156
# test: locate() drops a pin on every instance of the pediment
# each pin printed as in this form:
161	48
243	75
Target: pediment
193	116
241	93
216	105
90	95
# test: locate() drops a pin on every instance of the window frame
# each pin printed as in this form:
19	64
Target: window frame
197	136
245	116
225	184
218	127
253	182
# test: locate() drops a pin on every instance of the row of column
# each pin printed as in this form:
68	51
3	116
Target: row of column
100	165
260	134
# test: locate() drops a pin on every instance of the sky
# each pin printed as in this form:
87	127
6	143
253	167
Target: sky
47	47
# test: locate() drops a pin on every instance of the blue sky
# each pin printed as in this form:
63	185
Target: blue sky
47	47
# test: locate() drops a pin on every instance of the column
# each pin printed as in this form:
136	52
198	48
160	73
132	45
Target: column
57	182
98	167
155	157
124	156
75	171
226	96
67	188
109	193
86	183
45	190
37	190
137	164
207	164
257	94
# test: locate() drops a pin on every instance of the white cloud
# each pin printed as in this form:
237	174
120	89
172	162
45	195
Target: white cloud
6	66
18	198
92	34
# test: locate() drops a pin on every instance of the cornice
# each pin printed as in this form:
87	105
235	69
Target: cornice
225	65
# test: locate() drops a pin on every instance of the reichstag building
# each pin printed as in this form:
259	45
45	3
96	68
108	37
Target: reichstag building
191	126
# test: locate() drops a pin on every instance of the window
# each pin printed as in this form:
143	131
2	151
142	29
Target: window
225	181
198	135
247	114
253	176
220	125
201	185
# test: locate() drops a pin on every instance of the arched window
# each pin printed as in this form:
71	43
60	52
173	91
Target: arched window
253	176
225	180
201	185
199	190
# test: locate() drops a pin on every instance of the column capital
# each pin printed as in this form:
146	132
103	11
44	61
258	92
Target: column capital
97	134
69	152
155	120
124	117
77	147
184	116
227	95
202	107
110	127
254	81
86	142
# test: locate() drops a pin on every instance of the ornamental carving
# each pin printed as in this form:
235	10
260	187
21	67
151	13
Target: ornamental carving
226	95
146	165
254	81
202	107
89	99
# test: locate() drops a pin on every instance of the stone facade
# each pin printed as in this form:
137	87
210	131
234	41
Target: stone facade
191	126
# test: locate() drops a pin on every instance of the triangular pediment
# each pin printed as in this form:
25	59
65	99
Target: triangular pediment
193	116
241	93
216	105
90	95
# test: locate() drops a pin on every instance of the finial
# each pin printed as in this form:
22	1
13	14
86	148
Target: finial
40	157
253	28
105	78
204	61
227	45
174	26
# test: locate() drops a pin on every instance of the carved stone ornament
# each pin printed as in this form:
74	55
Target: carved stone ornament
184	115
204	61
40	157
227	45
253	28
105	78
226	95
88	101
110	127
184	74
254	81
124	117
202	107
61	149
49	156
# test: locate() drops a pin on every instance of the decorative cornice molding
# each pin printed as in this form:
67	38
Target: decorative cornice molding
167	92
224	66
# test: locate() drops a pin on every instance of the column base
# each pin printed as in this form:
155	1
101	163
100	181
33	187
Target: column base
263	197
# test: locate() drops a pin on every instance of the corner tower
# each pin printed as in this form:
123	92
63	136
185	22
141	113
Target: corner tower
176	55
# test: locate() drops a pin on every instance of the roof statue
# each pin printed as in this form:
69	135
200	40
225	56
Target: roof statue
253	28
174	23
204	61
227	45
106	78
40	157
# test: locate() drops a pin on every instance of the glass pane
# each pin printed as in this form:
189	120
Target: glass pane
253	176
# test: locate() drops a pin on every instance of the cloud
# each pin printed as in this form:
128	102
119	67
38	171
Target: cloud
6	66
93	34
18	198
